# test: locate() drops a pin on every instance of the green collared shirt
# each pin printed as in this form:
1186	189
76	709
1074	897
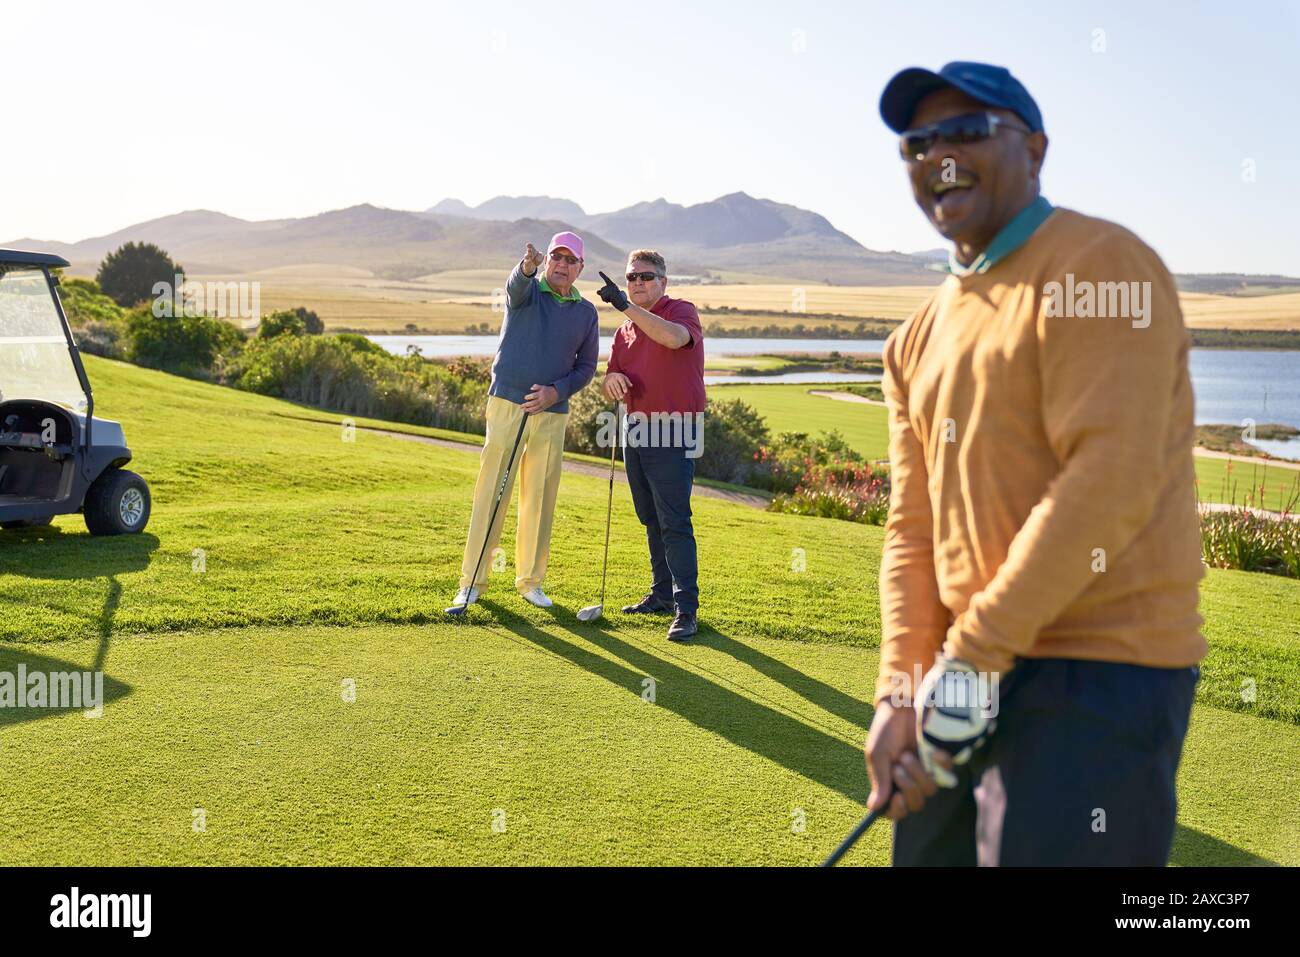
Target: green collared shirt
1010	238
573	296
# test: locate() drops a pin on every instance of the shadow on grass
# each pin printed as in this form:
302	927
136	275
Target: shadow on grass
856	711
50	554
787	741
1194	849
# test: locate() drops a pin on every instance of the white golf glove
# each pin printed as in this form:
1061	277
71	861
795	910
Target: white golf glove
951	716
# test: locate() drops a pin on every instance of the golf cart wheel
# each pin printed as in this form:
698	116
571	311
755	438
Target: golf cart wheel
117	504
40	522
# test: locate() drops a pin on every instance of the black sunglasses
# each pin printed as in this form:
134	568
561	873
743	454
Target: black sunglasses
557	256
970	128
643	276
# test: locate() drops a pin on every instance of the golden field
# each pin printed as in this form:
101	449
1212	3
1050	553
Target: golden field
448	302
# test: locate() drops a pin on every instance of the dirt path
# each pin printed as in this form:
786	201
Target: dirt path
580	468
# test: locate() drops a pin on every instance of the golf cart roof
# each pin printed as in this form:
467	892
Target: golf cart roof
17	257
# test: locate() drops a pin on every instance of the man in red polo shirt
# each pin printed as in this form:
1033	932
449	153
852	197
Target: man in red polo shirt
656	367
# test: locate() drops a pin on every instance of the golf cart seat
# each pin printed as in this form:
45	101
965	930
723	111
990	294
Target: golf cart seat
56	457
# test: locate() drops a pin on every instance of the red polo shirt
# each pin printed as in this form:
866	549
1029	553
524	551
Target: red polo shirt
663	379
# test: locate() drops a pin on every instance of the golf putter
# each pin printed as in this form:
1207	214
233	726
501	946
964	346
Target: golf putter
459	610
592	612
862	828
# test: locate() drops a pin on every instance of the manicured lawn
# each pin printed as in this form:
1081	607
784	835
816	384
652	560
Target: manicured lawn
285	566
788	407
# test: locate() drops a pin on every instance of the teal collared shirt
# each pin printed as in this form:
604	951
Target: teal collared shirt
573	296
1010	238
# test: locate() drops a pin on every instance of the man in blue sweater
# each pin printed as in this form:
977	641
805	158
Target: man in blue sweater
549	346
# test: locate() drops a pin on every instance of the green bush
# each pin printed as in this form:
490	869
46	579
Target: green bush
286	322
733	434
780	467
185	345
98	323
351	375
1239	538
850	493
582	429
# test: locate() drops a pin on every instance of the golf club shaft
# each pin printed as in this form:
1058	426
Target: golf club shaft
501	491
609	506
852	839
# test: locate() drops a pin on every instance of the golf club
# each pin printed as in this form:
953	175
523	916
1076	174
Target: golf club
592	612
852	839
459	610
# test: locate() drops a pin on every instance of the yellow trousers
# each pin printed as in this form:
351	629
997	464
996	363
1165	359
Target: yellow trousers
538	464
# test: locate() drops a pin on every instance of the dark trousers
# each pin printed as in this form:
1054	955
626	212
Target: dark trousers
1080	771
661	479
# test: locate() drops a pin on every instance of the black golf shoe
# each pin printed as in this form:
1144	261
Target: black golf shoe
684	626
649	605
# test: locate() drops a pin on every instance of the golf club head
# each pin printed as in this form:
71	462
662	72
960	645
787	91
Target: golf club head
591	613
457	611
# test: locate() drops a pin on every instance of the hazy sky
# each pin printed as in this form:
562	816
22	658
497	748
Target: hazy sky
124	111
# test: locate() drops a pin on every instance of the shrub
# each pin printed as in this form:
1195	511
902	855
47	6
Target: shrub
1242	539
850	492
733	434
184	345
581	430
780	466
286	322
349	374
98	323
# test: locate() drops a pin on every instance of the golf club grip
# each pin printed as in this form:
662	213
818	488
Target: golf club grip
852	839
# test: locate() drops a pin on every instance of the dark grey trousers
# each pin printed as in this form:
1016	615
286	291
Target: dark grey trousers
1080	771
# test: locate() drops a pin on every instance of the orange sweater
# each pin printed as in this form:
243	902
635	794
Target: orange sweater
1043	496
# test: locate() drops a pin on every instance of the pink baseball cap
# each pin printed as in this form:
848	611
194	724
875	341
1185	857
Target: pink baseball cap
570	241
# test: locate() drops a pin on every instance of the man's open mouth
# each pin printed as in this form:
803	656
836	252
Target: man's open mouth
947	193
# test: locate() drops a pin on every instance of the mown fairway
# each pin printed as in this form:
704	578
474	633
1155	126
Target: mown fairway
791	408
327	566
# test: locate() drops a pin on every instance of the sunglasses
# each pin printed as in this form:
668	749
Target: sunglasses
970	128
558	256
643	276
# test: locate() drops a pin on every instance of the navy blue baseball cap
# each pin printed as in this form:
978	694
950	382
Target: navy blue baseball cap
991	85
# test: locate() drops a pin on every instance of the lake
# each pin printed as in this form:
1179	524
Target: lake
1231	384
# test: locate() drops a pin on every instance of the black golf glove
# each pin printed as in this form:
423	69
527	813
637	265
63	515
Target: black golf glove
612	294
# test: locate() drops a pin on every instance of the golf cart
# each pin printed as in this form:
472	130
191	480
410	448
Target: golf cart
55	456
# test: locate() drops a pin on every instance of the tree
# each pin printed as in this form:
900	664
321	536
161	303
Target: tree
128	274
311	322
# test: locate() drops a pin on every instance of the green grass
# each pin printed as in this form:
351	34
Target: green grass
329	561
789	408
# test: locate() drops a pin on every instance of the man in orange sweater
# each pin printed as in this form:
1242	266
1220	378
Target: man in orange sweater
1038	587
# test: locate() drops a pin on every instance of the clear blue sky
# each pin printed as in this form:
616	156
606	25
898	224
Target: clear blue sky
137	110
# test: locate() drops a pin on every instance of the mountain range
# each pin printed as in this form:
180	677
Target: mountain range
734	233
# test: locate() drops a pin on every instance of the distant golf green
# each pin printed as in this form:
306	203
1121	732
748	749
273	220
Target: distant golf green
283	686
789	407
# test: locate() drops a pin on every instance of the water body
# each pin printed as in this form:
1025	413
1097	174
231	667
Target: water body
1232	385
